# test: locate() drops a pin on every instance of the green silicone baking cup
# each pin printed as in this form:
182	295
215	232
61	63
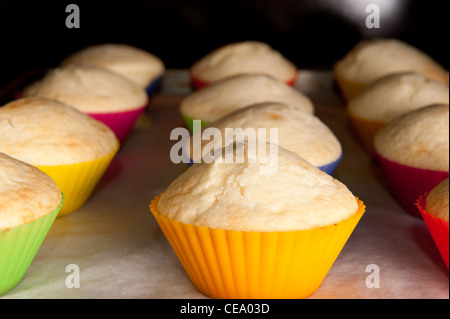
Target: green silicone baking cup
189	121
19	245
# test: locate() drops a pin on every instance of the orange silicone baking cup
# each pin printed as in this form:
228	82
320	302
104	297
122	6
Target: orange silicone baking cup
366	131
437	227
227	264
349	89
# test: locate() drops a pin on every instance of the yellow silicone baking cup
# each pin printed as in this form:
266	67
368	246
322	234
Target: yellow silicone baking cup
78	181
226	264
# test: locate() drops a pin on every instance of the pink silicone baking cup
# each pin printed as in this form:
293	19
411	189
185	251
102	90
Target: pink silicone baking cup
408	183
121	123
437	227
198	84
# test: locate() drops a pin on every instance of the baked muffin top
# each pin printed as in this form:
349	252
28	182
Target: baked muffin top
387	98
26	193
44	132
419	138
137	65
239	195
227	95
436	202
90	89
243	57
372	59
297	131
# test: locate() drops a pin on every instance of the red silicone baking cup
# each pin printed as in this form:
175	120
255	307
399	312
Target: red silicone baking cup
437	227
198	84
408	183
121	123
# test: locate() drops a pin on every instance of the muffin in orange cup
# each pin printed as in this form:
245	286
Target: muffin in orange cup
433	206
389	97
71	147
101	93
238	91
372	59
139	66
29	203
241	230
242	57
413	152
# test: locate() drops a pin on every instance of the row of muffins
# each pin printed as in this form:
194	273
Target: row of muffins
58	84
226	201
397	98
230	189
58	138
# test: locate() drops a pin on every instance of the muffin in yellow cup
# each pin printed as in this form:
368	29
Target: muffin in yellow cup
70	146
372	59
388	98
230	94
242	57
242	231
29	203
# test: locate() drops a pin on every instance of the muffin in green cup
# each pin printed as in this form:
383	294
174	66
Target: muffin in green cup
29	204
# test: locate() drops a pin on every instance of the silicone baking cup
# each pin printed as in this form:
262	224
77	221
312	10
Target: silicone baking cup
247	265
197	83
409	183
151	88
349	89
189	121
78	181
437	227
366	131
121	123
18	247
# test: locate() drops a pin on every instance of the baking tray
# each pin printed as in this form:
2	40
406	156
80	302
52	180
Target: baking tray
112	248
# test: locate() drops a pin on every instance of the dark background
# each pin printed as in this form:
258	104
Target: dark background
312	34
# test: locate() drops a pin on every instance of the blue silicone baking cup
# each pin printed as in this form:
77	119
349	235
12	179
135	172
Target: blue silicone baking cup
151	88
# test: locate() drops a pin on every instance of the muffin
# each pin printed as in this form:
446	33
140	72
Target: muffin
104	95
433	207
243	232
29	204
413	151
135	64
375	58
238	91
242	57
390	97
71	147
298	131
